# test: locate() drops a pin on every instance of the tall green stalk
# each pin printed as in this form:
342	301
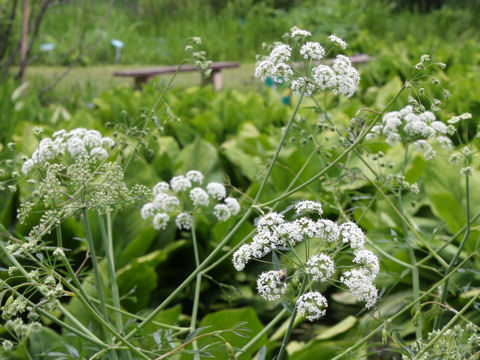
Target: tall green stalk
108	246
198	283
443	295
411	254
286	337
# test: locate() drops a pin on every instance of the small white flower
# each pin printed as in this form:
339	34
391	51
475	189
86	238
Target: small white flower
232	205
361	287
92	139
296	32
271	285
280	53
308	206
165	202
59	253
336	40
195	176
108	142
313	305
160	187
352	234
241	257
216	190
160	221
180	183
302	85
199	197
184	221
221	212
28	166
321	267
148	210
99	153
312	50
324	76
328	230
369	260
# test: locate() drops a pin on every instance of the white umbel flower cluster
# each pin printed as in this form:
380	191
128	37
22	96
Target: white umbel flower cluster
74	143
271	285
274	233
313	305
406	126
340	78
182	197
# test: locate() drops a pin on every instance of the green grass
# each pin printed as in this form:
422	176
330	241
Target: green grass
102	79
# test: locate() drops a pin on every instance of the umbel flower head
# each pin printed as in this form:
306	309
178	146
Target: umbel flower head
409	127
325	243
341	77
185	195
71	144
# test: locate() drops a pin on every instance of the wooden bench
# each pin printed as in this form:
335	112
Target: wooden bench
142	76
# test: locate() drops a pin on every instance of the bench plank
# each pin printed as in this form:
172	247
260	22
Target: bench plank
142	76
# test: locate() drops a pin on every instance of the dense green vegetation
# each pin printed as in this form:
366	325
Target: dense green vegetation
231	137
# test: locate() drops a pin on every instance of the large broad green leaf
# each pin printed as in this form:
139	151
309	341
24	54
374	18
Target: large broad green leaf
199	155
332	331
227	319
248	164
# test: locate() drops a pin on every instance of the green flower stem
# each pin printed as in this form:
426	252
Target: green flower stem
266	329
447	326
401	312
286	337
413	259
108	246
339	157
220	246
98	280
277	151
198	283
96	270
138	317
443	295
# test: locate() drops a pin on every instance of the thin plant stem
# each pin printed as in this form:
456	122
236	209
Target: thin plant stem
96	270
286	337
443	295
198	283
108	245
411	253
279	147
266	329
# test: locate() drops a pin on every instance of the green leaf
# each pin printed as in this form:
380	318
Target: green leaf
337	329
227	319
199	155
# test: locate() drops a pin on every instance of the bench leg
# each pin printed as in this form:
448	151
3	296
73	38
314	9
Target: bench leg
215	79
139	81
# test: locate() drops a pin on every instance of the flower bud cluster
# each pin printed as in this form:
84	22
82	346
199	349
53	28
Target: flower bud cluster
416	128
276	234
185	195
340	78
